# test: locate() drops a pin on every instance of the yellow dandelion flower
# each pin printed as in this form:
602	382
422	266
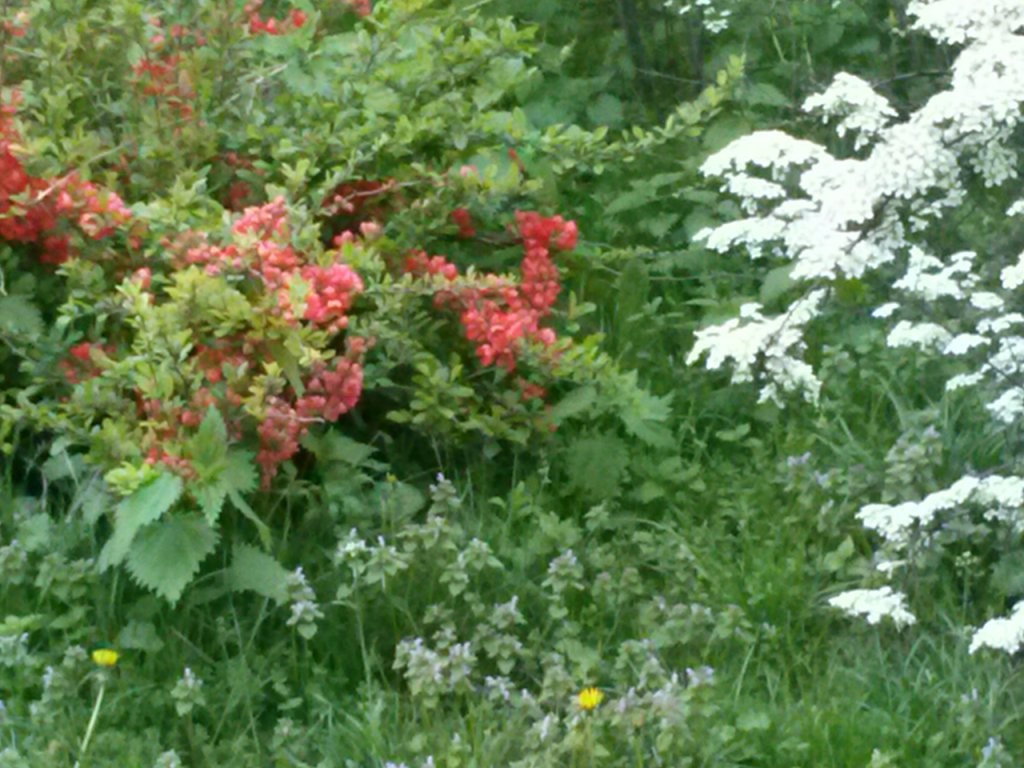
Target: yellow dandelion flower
589	698
105	657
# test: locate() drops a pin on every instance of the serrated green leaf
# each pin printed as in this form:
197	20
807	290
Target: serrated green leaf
235	474
239	473
254	570
166	554
643	417
210	497
208	447
574	403
144	506
595	465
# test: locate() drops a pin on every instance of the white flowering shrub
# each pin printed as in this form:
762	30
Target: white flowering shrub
908	207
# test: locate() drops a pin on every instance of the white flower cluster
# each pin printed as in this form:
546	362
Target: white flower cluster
1005	634
844	217
957	22
1001	498
714	17
874	605
859	108
753	340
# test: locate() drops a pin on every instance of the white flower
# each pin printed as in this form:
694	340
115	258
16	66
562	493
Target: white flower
1009	406
920	335
752	338
963	343
1004	634
895	522
1012	277
986	300
774	150
860	108
874	604
886	310
963	380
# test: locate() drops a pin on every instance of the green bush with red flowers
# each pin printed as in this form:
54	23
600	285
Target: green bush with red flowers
236	228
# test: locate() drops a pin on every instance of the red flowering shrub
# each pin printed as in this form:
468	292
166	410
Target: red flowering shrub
274	276
42	211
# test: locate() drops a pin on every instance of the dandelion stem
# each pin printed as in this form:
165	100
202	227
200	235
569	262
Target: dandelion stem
92	722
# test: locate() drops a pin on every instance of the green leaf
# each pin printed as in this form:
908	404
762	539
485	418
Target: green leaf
239	473
576	402
236	474
595	465
1008	574
140	636
837	558
242	506
18	315
606	110
643	418
144	506
208	447
776	283
166	554
754	721
764	94
258	572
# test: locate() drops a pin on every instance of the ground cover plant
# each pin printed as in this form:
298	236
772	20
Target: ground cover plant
420	383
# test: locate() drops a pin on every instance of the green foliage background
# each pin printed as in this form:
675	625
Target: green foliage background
666	524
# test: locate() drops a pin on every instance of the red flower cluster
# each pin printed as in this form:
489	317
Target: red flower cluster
36	210
331	291
419	263
360	7
160	74
329	394
279	434
353	204
260	248
271	26
498	315
79	364
464	222
18	26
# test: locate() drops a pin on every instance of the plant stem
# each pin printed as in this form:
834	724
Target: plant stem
92	722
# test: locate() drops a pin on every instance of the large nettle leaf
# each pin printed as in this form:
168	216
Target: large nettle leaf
167	554
141	508
220	473
256	571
